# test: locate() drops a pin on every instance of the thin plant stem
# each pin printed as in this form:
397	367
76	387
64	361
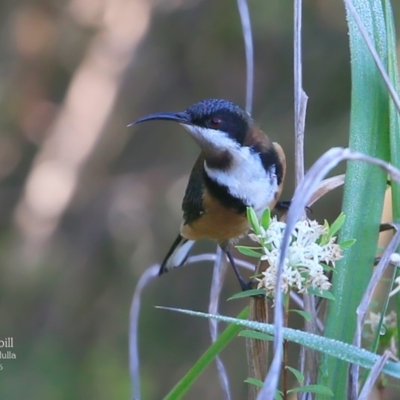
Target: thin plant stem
220	266
300	98
286	350
248	46
134	362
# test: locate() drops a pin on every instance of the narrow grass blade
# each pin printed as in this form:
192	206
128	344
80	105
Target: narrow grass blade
334	348
394	127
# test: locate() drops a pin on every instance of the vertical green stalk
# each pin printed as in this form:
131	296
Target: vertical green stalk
364	187
394	128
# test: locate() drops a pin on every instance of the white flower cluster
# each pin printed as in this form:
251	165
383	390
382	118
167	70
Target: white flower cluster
309	256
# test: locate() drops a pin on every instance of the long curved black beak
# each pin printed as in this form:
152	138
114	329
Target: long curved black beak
180	117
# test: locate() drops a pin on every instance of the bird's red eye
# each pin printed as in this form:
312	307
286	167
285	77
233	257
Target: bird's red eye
215	122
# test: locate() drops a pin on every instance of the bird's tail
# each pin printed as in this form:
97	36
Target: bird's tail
177	255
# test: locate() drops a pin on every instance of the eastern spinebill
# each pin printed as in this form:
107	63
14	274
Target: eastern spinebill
238	167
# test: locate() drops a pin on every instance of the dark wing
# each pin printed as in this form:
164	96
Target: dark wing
192	205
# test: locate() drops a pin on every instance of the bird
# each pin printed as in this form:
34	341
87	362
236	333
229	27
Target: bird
239	166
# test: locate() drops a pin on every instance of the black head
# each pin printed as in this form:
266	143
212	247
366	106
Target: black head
212	114
221	115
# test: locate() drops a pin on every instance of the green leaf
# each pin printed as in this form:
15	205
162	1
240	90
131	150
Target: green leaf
327	267
364	188
317	389
325	238
247	333
255	382
208	356
297	374
253	220
324	293
347	243
306	315
336	225
248	293
248	251
266	219
394	129
258	383
334	348
278	395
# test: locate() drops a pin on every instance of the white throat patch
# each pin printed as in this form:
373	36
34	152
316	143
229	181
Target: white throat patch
246	178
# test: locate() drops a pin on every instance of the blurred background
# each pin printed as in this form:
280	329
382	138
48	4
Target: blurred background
87	205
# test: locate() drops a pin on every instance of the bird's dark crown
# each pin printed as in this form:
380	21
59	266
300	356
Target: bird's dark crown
221	115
